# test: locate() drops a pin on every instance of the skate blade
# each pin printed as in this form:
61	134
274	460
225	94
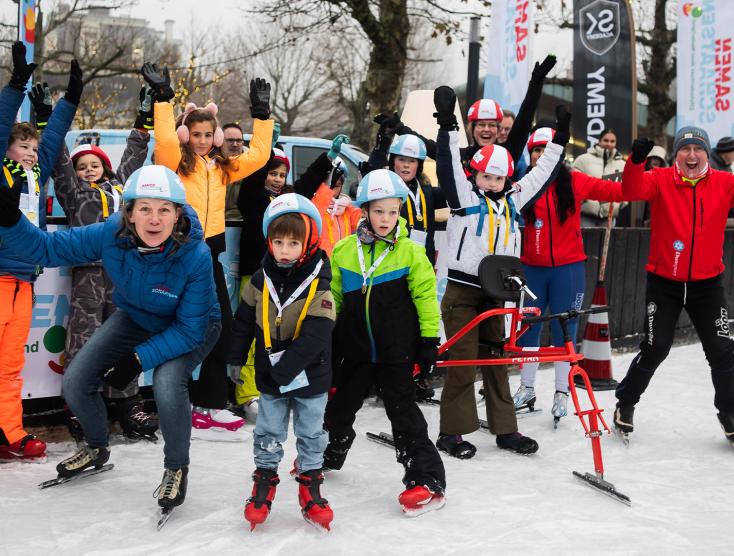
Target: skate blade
321	527
556	420
85	473
624	436
215	434
165	515
435	503
43	458
604	487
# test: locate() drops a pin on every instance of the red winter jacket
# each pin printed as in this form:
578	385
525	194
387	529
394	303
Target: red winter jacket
547	242
686	222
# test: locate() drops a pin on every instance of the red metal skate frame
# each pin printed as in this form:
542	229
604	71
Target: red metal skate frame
547	354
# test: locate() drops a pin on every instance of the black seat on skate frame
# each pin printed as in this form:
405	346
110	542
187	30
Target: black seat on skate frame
493	273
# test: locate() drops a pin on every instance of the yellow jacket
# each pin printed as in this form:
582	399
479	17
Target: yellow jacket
206	185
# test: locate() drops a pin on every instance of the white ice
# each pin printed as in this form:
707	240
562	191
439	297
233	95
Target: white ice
678	471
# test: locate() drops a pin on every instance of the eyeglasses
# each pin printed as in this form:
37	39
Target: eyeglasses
234	140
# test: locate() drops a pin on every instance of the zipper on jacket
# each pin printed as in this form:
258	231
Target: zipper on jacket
701	226
461	244
693	237
550	226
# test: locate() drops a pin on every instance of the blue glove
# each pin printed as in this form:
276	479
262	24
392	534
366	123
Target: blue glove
336	146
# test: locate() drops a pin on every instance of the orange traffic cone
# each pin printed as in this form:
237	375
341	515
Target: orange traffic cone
596	347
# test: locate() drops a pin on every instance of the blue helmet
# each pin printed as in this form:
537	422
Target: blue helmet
338	170
380	184
290	203
154	182
409	145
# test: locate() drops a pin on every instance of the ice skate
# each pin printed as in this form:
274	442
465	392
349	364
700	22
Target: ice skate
455	446
86	458
420	499
135	422
524	399
172	490
28	449
516	442
258	504
623	421
560	401
314	507
727	425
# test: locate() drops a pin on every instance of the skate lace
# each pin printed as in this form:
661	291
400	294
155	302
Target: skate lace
82	457
169	485
140	418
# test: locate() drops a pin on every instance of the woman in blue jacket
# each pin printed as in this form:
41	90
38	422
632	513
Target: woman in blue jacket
168	318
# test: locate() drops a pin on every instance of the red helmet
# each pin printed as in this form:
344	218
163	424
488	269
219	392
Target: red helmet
493	159
86	148
540	137
485	109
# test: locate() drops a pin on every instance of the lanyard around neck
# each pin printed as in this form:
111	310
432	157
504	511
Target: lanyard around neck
492	224
360	255
420	210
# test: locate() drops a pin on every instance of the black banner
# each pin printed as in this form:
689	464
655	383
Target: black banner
604	78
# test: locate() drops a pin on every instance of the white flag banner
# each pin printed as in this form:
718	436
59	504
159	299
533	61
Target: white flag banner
704	79
507	50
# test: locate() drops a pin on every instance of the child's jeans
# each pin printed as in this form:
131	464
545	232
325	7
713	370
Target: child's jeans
271	430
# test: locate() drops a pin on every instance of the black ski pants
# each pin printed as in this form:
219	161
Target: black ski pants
413	449
211	390
705	303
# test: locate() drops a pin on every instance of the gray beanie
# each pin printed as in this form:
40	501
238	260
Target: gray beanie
692	135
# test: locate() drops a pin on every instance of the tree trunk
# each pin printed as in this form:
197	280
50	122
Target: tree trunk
660	71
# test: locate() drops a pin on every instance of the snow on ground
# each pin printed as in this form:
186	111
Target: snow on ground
678	471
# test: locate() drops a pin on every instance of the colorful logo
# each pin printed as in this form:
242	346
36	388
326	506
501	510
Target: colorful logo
690	9
54	341
538	224
678	245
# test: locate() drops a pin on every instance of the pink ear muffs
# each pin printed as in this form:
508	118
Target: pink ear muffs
183	132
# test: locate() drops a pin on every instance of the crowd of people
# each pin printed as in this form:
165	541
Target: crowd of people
338	296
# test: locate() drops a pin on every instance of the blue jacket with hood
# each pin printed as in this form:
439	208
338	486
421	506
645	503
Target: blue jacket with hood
170	293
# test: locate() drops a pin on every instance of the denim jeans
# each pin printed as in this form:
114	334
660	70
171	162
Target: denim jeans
117	336
271	430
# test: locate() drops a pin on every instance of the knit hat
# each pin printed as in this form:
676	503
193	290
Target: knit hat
86	148
659	152
691	135
725	145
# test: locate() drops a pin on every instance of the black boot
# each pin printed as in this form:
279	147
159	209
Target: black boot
336	452
85	458
455	446
172	490
423	392
518	443
624	418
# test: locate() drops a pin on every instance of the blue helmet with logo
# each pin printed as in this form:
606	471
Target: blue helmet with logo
290	203
380	184
154	182
409	145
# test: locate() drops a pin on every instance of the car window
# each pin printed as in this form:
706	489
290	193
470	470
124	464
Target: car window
303	157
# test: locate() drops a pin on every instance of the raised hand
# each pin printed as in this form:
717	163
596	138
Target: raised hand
40	96
260	98
444	99
22	70
563	125
540	71
159	81
641	147
76	85
336	146
144	119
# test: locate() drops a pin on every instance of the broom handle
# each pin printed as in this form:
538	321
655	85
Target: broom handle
605	246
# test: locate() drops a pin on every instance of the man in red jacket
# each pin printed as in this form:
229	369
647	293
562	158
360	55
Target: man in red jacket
689	203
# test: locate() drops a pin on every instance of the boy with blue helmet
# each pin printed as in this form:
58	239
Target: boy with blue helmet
167	320
288	310
405	157
387	319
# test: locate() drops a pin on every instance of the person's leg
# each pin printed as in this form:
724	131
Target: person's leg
15	323
415	451
352	381
458	399
500	406
537	279
308	426
707	306
171	391
82	380
664	301
271	430
210	390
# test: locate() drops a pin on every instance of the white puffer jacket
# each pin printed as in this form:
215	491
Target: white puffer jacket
469	230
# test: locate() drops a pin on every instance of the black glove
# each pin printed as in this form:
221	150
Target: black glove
9	205
144	119
126	369
444	98
159	81
388	124
641	147
22	70
563	125
427	356
540	71
40	96
76	86
259	98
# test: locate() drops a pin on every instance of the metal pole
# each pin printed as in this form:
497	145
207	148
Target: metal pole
472	79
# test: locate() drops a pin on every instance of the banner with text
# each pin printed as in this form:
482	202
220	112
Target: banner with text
705	32
508	52
604	80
